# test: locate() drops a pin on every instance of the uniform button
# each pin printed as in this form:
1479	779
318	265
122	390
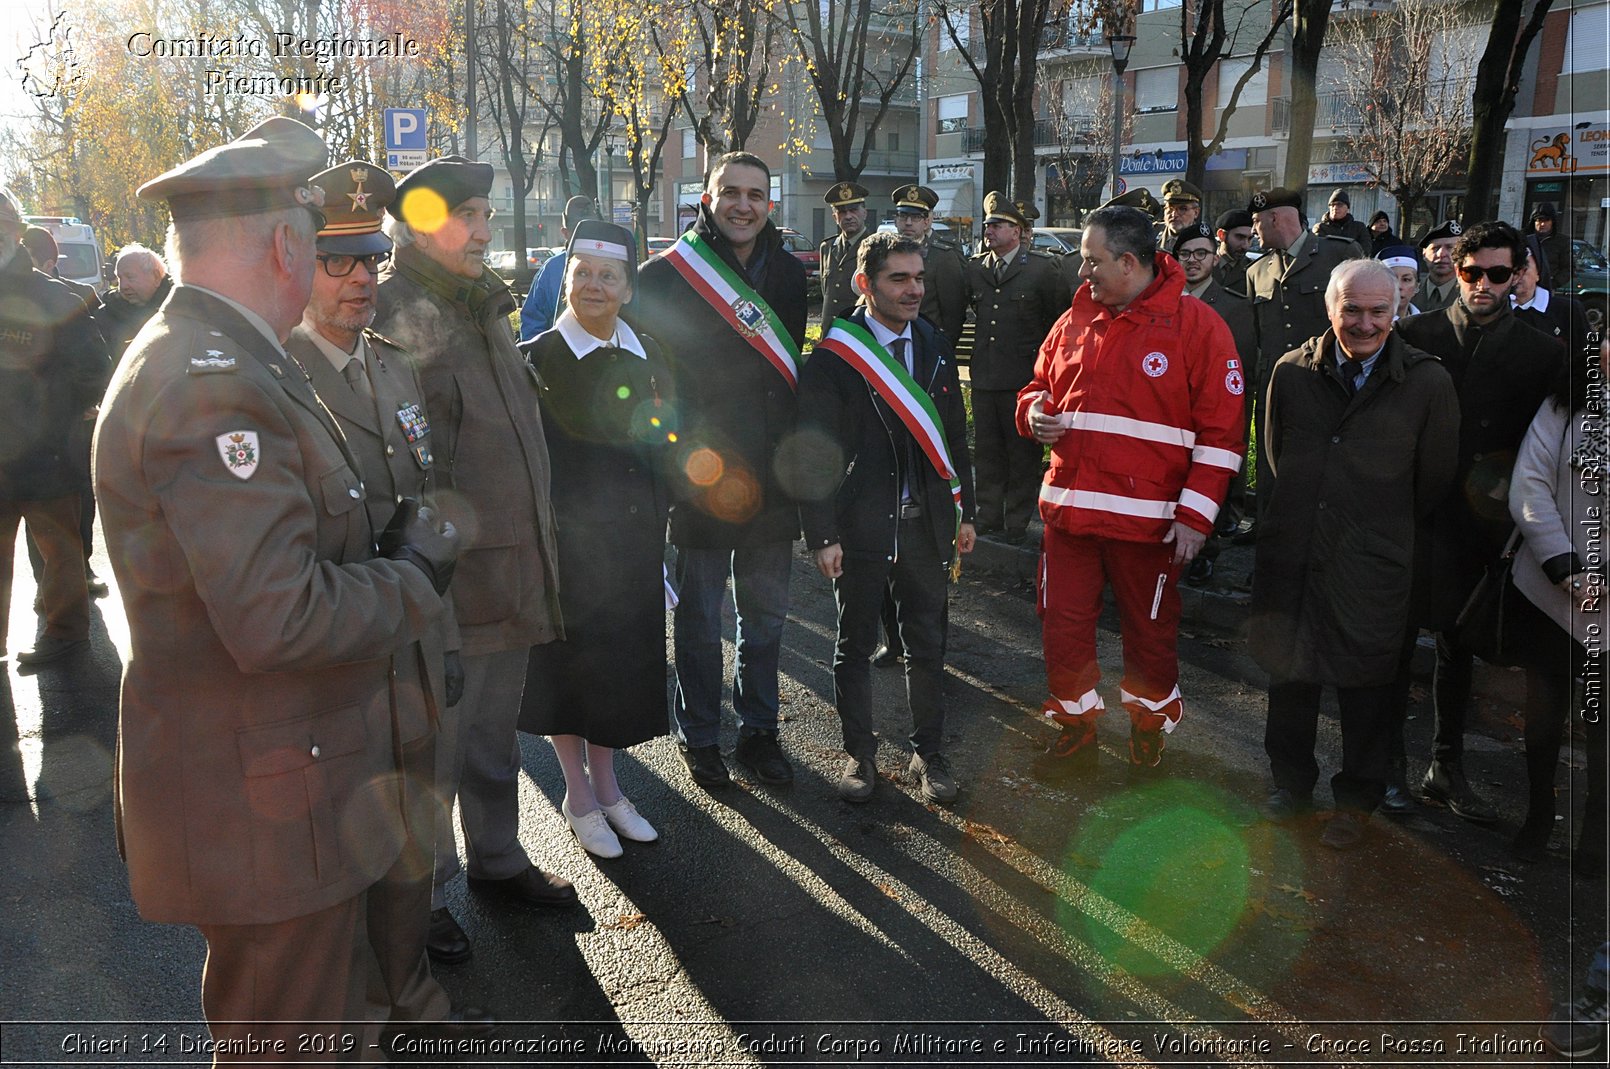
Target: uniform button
891	515
315	751
391	450
1486	423
354	492
1322	504
1335	439
1477	458
632	510
888	558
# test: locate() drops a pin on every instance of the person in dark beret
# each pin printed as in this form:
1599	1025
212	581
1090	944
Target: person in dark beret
443	304
266	607
1234	231
1440	286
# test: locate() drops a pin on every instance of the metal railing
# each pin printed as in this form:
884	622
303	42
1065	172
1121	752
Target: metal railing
1076	129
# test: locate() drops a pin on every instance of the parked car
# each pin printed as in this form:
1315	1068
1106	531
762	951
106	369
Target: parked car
1591	272
803	251
659	245
1061	240
502	261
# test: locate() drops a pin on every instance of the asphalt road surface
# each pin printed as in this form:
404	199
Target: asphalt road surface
1034	922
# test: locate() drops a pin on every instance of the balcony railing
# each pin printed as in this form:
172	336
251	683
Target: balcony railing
1076	130
1340	112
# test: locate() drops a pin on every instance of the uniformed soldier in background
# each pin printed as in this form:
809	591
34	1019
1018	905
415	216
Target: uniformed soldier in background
944	297
1018	294
1234	231
1440	285
258	717
837	254
1182	207
1287	283
373	390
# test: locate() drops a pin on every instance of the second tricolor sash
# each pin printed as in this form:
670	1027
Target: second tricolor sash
737	303
856	346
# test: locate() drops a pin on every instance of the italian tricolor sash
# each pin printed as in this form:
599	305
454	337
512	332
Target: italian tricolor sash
857	347
733	299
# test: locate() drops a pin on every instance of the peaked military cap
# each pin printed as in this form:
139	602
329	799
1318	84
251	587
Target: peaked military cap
1449	229
998	208
1180	189
454	179
263	170
355	193
1278	197
915	200
846	195
1191	233
1139	198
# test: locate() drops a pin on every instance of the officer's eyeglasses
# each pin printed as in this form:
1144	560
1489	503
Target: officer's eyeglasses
338	265
1498	275
1193	254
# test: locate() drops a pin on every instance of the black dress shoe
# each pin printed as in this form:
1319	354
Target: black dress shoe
1200	571
533	887
446	944
1445	783
1015	536
1283	806
706	766
760	753
1397	801
884	657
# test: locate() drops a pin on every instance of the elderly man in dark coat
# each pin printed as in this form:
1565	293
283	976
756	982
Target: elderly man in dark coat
1361	431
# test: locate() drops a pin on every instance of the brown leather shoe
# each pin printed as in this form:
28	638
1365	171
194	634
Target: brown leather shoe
533	887
446	944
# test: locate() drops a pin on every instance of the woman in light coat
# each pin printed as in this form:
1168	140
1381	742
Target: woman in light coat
1557	497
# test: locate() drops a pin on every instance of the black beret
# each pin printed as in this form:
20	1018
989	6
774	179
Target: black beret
1448	229
1190	233
265	169
452	178
1235	217
1279	197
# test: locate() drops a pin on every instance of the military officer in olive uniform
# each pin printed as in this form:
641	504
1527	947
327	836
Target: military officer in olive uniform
260	790
1286	285
1018	294
1440	285
1182	208
1234	231
373	390
837	254
944	294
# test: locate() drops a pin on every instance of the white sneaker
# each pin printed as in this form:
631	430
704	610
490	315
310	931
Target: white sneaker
629	823
593	832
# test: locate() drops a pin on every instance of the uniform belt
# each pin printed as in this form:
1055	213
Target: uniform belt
910	510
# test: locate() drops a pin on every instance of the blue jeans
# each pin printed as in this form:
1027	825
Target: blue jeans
760	595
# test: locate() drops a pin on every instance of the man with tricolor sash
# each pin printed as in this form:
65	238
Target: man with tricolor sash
887	500
1138	391
727	302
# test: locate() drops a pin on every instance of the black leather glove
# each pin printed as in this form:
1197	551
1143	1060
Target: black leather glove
413	536
453	675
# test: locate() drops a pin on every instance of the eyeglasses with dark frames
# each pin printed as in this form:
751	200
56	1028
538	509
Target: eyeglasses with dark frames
340	265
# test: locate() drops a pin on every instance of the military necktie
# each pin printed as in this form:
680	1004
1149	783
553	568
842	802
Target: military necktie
356	379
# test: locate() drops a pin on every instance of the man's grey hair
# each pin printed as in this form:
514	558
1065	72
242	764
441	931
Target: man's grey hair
136	253
240	238
401	234
1125	229
1359	272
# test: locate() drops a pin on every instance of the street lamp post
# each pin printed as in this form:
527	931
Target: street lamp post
1120	43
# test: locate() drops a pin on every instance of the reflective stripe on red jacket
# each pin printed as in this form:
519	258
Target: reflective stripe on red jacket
1152	399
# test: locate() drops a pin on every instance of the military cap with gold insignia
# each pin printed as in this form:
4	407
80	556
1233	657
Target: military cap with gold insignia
263	170
846	195
998	208
428	192
355	193
1178	189
915	200
1139	198
1279	197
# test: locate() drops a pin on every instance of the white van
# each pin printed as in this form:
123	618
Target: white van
79	253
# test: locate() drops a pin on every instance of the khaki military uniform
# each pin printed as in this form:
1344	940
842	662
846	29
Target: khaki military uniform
837	262
944	295
1427	299
1012	317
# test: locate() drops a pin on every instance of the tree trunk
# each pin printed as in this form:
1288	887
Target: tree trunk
1309	21
1497	79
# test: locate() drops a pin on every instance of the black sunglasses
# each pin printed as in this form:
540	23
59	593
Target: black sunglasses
1497	275
339	265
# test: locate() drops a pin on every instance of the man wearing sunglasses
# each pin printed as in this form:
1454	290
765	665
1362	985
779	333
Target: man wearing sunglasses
1502	369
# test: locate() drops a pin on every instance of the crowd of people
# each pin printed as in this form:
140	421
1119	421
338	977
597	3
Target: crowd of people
365	533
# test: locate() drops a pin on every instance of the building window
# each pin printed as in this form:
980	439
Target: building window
961	19
1158	5
690	145
1584	43
953	114
892	141
1256	94
1157	89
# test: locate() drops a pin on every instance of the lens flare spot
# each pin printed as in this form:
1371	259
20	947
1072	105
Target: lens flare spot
424	209
671	437
623	392
704	467
654	421
735	499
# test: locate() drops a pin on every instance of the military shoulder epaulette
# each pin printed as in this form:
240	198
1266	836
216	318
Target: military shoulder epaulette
375	335
212	363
